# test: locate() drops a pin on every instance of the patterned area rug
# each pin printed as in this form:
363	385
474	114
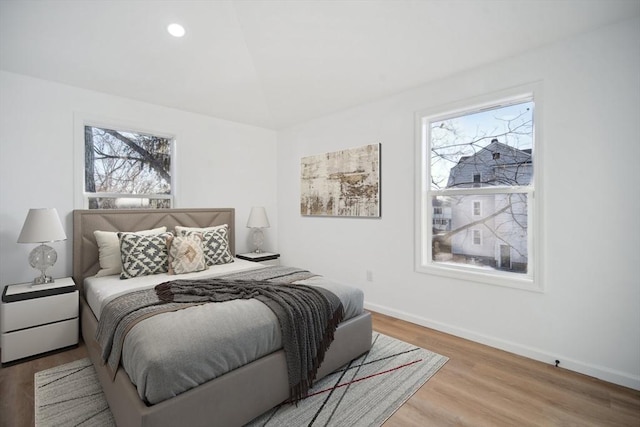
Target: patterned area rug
366	392
70	395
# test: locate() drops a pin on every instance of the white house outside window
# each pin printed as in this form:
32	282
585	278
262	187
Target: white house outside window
478	164
477	237
477	208
125	169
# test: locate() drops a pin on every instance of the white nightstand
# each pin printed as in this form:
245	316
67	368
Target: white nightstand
266	258
37	319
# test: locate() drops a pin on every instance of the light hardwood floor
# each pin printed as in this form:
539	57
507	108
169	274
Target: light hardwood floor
479	386
16	385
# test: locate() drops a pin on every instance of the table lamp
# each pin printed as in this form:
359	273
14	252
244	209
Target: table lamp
257	221
42	226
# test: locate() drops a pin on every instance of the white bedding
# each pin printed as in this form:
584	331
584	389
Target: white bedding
100	290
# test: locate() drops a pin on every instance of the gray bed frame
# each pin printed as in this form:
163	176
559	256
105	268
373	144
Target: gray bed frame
230	400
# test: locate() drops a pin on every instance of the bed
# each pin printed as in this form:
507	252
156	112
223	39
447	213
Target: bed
231	399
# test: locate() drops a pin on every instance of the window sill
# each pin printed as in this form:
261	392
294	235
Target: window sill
480	275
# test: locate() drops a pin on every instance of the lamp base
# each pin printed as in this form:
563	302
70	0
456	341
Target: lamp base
258	239
41	258
42	280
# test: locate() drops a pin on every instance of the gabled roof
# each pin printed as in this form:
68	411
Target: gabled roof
496	164
508	154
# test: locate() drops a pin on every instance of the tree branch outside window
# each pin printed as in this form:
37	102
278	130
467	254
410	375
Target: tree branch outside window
127	169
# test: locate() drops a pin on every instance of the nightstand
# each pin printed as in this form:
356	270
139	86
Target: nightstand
40	318
265	258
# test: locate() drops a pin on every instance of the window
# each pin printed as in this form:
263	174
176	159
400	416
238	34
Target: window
477	237
477	208
126	169
477	163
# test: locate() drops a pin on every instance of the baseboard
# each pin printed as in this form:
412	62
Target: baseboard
600	372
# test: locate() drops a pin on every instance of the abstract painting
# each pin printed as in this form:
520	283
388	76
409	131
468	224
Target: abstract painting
342	183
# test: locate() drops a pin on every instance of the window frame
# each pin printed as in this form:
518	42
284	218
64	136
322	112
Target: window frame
478	232
473	208
423	251
81	197
477	183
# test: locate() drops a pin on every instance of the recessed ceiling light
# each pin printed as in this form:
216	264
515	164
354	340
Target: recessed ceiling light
176	30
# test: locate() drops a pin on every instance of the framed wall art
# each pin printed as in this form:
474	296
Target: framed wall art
343	183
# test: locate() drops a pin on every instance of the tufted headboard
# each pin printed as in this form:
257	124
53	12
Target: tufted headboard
85	222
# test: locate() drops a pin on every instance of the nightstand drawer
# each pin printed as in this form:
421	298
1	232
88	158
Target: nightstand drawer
39	311
27	342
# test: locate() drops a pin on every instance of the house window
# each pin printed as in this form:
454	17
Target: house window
477	237
477	163
477	208
437	211
126	169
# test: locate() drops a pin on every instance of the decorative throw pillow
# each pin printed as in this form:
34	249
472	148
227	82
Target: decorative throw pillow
186	254
215	241
143	255
181	230
109	250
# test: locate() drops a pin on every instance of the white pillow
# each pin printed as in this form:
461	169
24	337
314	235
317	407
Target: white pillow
109	250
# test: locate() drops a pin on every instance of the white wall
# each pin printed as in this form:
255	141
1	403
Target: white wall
589	315
219	163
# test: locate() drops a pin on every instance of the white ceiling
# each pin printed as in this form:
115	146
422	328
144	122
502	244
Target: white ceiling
277	63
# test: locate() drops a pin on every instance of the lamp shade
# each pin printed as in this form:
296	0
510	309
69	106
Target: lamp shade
42	225
258	218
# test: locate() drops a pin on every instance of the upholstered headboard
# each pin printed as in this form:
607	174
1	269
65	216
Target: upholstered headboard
85	222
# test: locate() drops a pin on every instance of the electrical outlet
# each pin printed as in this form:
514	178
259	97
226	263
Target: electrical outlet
369	276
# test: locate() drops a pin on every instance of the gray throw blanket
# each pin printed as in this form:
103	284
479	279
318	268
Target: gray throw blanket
308	315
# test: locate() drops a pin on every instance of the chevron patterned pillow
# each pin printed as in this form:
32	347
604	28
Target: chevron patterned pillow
143	255
109	250
215	241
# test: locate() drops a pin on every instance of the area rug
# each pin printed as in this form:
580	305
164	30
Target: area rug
366	392
70	395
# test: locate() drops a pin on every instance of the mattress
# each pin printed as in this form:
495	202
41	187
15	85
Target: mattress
170	353
100	290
